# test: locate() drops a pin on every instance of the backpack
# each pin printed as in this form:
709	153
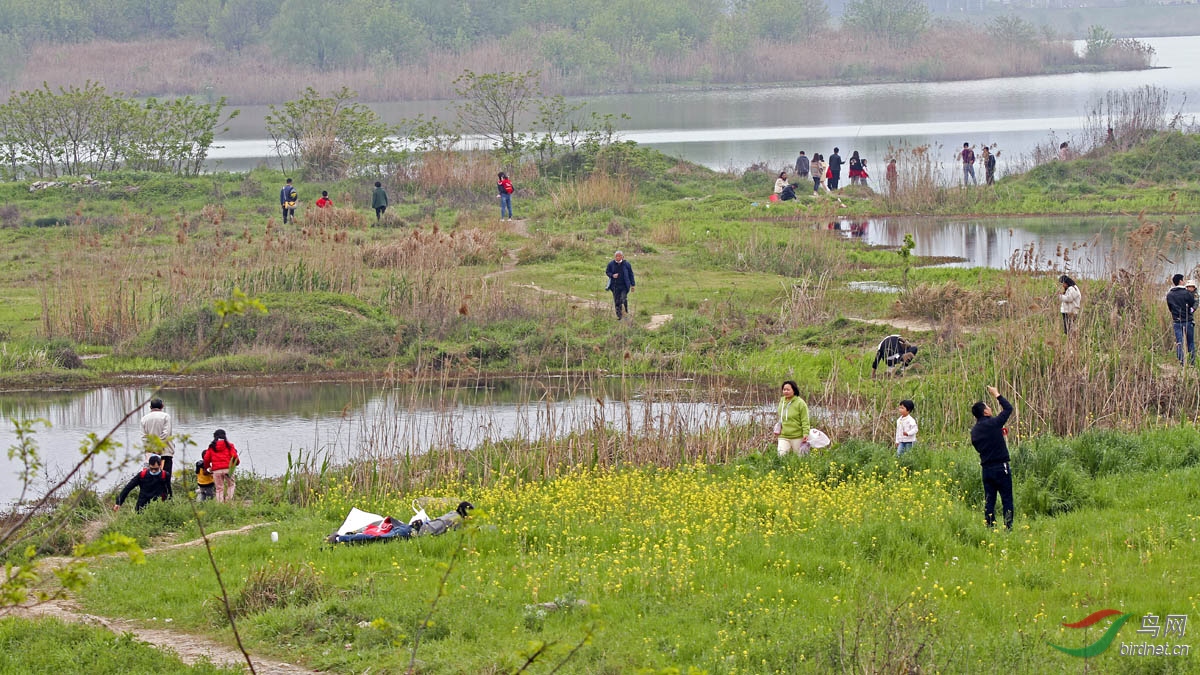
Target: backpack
146	472
507	185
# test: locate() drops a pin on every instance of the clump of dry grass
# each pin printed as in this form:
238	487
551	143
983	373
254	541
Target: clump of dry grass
597	192
667	233
436	250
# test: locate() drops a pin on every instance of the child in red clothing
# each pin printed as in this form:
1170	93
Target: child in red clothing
324	201
220	458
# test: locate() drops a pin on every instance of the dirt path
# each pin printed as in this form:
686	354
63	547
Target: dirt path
190	648
658	321
914	325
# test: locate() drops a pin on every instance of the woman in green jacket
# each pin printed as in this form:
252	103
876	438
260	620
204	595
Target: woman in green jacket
792	427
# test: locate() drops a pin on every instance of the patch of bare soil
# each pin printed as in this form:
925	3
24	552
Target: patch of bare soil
658	321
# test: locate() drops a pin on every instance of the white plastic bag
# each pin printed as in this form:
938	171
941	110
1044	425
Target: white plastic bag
421	515
817	438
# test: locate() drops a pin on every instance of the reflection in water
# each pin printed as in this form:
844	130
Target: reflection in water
1085	247
348	421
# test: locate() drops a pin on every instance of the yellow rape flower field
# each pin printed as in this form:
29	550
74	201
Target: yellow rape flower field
762	566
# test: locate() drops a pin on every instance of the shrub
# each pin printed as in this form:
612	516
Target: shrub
272	586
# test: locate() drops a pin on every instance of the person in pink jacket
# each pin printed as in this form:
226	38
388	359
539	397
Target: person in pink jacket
220	458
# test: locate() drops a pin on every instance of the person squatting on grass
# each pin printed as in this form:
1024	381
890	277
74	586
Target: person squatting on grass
620	274
220	458
988	437
157	437
1183	306
1070	301
906	427
379	201
504	187
792	428
152	483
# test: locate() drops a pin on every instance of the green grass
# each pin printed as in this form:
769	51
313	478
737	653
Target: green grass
759	566
37	648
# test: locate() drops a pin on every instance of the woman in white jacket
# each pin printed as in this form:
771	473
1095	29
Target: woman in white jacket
1070	302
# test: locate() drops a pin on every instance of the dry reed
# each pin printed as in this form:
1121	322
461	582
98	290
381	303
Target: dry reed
254	75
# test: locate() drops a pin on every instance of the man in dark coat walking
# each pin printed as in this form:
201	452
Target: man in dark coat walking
620	282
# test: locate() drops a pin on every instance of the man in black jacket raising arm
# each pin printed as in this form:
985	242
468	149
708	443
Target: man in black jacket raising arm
988	437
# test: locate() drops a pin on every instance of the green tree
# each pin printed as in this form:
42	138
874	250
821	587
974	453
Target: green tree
783	20
325	137
313	32
241	23
1099	40
493	103
1012	30
896	21
382	28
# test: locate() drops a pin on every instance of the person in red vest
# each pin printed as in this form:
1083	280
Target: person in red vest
324	202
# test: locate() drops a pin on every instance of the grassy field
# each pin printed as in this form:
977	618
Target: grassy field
847	561
614	552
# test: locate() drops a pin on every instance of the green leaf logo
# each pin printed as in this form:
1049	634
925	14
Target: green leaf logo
1105	640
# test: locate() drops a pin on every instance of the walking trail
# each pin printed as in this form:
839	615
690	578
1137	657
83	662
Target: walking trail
191	649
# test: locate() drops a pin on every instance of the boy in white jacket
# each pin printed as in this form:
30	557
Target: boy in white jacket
906	427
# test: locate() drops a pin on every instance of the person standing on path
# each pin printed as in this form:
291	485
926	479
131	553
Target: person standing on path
379	201
793	427
1182	305
1070	302
988	437
157	437
802	166
287	201
835	170
620	275
504	187
968	162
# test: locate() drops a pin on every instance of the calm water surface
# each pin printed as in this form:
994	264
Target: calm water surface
341	422
735	128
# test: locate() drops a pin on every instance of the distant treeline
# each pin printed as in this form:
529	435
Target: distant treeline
389	49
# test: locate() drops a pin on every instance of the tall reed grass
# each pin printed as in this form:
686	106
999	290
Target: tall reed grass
597	192
255	76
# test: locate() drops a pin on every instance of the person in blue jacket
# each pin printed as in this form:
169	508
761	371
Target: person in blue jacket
620	275
287	201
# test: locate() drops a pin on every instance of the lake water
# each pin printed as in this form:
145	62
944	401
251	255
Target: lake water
736	128
344	421
1084	247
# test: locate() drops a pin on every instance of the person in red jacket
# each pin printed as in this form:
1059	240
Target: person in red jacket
324	202
220	458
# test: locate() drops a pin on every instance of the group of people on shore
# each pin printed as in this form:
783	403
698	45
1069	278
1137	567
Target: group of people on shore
288	197
214	471
825	173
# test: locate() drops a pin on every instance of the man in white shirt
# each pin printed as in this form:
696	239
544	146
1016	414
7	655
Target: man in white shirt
157	432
